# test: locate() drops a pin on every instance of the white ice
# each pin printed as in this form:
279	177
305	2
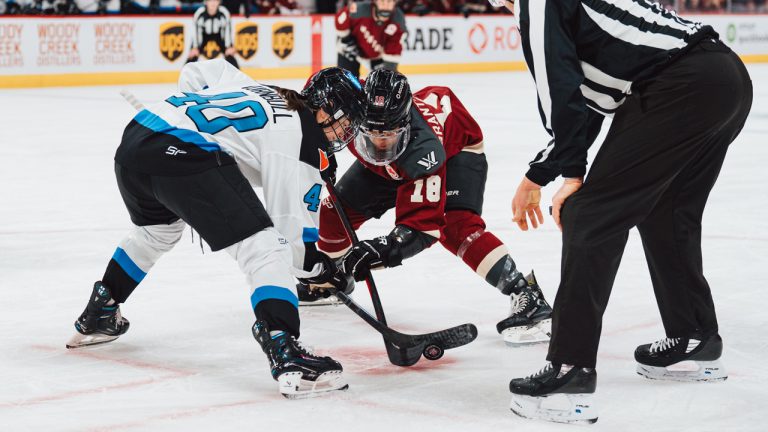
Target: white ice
189	361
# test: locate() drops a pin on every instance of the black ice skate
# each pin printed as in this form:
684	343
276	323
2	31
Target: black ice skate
321	295
557	393
98	323
530	317
682	359
299	373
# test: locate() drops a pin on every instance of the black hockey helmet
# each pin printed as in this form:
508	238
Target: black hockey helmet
340	95
386	127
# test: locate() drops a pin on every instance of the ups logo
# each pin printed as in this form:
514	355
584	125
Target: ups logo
282	39
171	40
211	49
246	39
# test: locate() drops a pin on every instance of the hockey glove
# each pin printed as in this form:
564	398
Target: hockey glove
347	47
385	251
329	276
364	256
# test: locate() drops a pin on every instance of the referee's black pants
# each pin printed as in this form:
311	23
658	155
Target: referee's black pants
654	171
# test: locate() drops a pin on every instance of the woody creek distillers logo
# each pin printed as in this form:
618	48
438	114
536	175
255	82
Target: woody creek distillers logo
10	45
282	39
113	43
246	39
58	44
171	40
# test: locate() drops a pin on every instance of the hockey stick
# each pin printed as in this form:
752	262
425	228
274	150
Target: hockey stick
402	349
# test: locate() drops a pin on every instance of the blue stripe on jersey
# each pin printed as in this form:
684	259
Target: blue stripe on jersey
268	292
153	121
126	263
310	235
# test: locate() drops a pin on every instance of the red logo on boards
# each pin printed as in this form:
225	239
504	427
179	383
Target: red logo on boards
10	45
478	38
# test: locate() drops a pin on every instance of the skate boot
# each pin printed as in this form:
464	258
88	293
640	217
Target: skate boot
299	373
557	393
99	323
320	295
530	317
682	359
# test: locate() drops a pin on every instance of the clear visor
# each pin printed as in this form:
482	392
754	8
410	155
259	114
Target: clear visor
497	3
382	147
339	130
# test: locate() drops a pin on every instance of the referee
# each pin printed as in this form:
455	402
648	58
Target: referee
678	97
212	33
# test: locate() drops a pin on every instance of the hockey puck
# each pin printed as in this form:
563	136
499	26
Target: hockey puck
433	352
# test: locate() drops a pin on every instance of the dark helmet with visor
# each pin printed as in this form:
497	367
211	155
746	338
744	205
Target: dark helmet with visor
339	94
386	127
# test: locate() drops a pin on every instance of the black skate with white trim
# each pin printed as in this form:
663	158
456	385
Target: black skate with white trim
682	359
99	323
530	318
299	373
557	393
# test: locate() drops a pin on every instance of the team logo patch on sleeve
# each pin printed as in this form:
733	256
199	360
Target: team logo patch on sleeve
429	161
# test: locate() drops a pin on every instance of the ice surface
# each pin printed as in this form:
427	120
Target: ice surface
189	361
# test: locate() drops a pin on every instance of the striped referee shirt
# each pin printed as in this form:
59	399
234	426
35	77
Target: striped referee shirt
584	56
216	27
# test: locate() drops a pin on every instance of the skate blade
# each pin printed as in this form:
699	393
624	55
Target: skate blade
81	340
686	371
292	386
328	301
558	408
528	335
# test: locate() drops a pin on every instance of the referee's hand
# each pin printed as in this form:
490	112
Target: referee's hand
525	205
569	187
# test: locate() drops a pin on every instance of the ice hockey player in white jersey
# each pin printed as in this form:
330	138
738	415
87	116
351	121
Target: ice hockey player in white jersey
194	159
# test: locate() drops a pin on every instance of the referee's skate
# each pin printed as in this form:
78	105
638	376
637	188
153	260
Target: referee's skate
682	359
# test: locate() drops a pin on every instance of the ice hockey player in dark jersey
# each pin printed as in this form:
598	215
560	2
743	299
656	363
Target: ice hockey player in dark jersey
422	155
212	33
194	158
371	33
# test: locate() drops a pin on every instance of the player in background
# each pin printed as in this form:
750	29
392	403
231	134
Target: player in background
410	150
194	159
212	33
371	33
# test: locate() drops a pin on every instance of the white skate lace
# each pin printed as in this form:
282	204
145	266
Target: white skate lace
664	344
519	303
304	348
547	367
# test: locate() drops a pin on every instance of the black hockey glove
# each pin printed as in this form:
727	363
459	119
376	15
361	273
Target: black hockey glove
385	251
347	47
364	256
330	274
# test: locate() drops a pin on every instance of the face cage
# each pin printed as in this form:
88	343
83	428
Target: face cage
348	132
369	145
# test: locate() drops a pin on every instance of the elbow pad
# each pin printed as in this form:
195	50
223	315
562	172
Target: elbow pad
406	242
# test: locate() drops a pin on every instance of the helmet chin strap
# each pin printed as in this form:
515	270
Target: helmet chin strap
382	15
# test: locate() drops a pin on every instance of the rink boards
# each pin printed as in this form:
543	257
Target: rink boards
54	51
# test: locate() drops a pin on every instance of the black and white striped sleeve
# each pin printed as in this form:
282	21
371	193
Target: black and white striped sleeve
197	28
226	27
550	51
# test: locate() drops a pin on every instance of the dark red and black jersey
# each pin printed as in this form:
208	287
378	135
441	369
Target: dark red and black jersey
441	127
376	39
